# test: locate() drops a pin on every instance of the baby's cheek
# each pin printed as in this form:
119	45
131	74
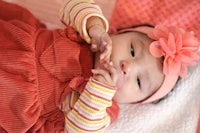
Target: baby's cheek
120	83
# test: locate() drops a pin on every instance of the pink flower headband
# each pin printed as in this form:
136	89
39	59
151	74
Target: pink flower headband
179	49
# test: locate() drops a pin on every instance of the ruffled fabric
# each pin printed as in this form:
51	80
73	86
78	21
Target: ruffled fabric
20	106
179	48
38	69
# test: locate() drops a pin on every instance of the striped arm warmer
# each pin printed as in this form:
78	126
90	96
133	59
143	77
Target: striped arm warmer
76	12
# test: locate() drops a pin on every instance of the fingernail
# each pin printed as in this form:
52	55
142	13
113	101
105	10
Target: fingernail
105	64
101	57
104	43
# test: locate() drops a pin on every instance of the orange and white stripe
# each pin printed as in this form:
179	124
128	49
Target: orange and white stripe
76	12
88	114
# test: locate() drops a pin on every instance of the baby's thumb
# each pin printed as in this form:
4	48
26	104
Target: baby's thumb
93	47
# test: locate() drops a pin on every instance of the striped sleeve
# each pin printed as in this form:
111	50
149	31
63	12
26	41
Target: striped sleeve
88	115
76	12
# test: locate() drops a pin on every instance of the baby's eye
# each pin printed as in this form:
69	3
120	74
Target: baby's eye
132	52
139	83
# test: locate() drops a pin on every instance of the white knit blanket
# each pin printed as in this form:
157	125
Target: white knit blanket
177	113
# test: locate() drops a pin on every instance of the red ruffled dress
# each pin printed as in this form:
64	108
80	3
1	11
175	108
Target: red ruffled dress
38	68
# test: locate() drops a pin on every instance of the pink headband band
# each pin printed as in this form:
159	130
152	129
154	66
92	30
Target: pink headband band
180	50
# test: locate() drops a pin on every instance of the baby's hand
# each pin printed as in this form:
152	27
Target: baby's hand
100	42
106	75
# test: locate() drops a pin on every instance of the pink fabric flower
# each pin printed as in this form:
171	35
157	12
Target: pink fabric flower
179	48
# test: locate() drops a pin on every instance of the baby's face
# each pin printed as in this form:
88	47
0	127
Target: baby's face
140	73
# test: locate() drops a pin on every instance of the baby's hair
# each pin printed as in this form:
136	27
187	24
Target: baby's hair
134	26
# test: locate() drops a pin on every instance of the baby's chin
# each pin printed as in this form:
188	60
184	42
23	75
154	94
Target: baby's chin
118	98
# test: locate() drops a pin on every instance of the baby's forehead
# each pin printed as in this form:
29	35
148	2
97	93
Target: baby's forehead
136	35
131	30
141	30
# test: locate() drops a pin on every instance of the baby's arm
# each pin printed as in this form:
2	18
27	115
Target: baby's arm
75	13
88	113
87	18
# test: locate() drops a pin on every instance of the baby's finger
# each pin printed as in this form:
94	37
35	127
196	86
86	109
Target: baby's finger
105	56
103	73
100	76
94	47
106	41
112	71
100	72
105	47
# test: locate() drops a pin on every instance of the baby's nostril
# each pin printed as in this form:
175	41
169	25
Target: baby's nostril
123	67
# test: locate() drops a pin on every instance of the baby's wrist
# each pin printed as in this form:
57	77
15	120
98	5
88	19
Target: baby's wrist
94	21
107	85
102	89
94	25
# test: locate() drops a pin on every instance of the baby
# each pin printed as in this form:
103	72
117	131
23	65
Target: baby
46	71
145	62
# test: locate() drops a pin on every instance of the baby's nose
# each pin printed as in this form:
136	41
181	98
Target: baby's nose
126	66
